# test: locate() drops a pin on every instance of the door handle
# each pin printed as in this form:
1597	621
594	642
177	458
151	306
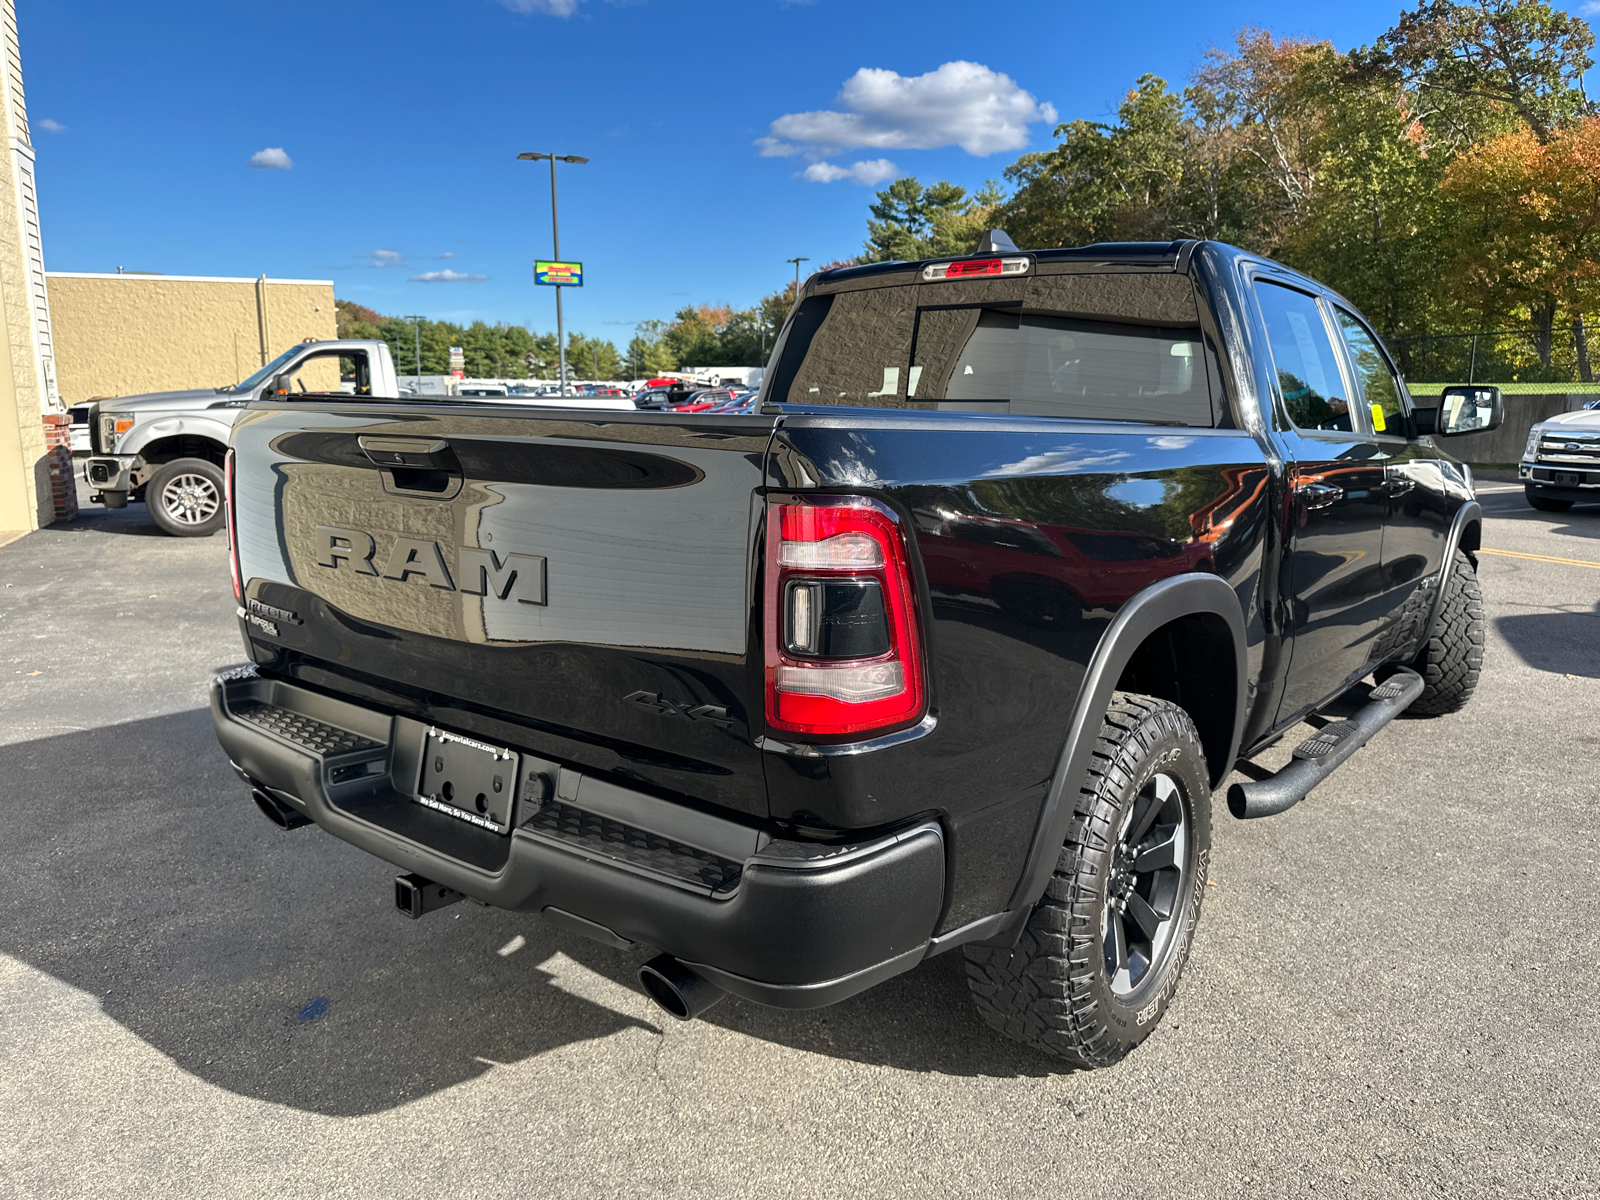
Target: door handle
1397	484
1318	495
409	452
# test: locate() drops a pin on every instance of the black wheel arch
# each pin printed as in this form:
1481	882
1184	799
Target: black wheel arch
1181	639
183	445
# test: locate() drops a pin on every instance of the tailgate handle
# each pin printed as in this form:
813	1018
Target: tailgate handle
410	452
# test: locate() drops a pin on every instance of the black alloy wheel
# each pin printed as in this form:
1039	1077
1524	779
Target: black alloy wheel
1099	959
1148	880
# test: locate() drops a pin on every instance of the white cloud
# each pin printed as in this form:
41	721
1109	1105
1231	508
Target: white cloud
548	8
771	147
1065	461
865	173
447	277
1591	9
272	158
961	104
448	254
384	258
50	126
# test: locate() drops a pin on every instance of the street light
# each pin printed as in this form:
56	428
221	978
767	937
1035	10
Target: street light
797	262
555	236
416	334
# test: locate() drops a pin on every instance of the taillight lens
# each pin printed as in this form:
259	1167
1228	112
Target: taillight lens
843	647
233	539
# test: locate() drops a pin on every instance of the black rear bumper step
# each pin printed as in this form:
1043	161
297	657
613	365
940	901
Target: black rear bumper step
787	923
1325	751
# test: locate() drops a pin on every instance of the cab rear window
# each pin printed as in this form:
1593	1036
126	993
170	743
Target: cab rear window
1107	347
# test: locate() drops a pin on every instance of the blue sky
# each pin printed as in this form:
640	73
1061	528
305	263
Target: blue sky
702	121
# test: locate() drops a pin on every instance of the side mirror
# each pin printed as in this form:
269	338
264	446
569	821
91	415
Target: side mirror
1469	409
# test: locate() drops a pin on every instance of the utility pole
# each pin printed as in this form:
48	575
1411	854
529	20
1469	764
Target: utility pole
416	345
797	262
555	238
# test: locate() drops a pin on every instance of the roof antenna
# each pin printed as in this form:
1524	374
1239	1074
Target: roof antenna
996	242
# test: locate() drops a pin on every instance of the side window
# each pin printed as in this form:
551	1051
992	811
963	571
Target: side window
1308	368
355	373
1380	391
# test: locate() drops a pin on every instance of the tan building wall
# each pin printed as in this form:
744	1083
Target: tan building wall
119	335
26	497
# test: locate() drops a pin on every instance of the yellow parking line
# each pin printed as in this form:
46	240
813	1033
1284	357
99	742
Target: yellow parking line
1571	562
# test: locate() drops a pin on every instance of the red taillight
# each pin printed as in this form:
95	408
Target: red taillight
233	540
843	649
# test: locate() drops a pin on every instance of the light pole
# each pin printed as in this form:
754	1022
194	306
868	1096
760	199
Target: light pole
797	262
416	345
555	237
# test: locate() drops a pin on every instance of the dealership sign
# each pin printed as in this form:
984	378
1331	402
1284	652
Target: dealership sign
558	274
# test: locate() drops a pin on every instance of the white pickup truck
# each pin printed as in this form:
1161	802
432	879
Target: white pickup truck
167	448
1561	465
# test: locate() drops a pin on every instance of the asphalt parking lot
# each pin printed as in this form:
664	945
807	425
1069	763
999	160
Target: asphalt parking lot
1392	990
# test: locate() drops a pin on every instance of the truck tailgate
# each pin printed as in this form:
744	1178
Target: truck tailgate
586	579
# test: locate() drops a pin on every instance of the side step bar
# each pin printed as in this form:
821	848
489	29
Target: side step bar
1325	751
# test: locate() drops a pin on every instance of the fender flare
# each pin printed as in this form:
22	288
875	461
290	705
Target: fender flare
184	425
1157	605
1469	513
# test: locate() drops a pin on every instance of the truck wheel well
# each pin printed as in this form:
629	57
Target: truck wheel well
188	445
1190	661
1471	536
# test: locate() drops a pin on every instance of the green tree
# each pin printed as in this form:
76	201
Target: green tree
1102	181
593	358
1471	62
909	221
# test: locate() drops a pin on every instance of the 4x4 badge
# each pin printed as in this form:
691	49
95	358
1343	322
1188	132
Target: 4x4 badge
709	713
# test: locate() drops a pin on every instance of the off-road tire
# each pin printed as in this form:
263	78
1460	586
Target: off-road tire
1544	503
1053	990
203	481
1452	659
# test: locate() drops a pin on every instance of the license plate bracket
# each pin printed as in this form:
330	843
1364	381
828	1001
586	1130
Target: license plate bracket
468	779
1570	478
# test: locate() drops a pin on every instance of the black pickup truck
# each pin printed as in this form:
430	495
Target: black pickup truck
947	643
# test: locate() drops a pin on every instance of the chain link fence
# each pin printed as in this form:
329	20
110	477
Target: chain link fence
1556	356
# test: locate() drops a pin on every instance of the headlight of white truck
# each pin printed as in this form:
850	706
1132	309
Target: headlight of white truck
1532	448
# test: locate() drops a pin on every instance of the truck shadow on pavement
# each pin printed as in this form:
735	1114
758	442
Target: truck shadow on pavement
132	521
1563	642
273	965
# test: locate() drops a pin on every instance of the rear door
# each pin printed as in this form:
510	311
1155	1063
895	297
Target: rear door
587	577
1422	501
1337	504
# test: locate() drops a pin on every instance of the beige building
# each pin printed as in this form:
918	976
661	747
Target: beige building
35	468
118	335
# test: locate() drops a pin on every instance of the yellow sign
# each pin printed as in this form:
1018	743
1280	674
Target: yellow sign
558	274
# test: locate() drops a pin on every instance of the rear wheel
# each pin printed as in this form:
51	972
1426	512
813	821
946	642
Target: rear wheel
1544	503
185	497
1100	956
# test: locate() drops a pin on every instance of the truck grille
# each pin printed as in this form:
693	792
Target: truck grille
1575	449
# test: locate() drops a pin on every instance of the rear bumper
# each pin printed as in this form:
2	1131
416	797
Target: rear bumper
790	924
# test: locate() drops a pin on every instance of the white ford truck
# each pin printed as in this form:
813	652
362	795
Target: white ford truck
167	448
1561	465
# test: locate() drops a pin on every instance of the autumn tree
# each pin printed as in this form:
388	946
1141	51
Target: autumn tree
1525	226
